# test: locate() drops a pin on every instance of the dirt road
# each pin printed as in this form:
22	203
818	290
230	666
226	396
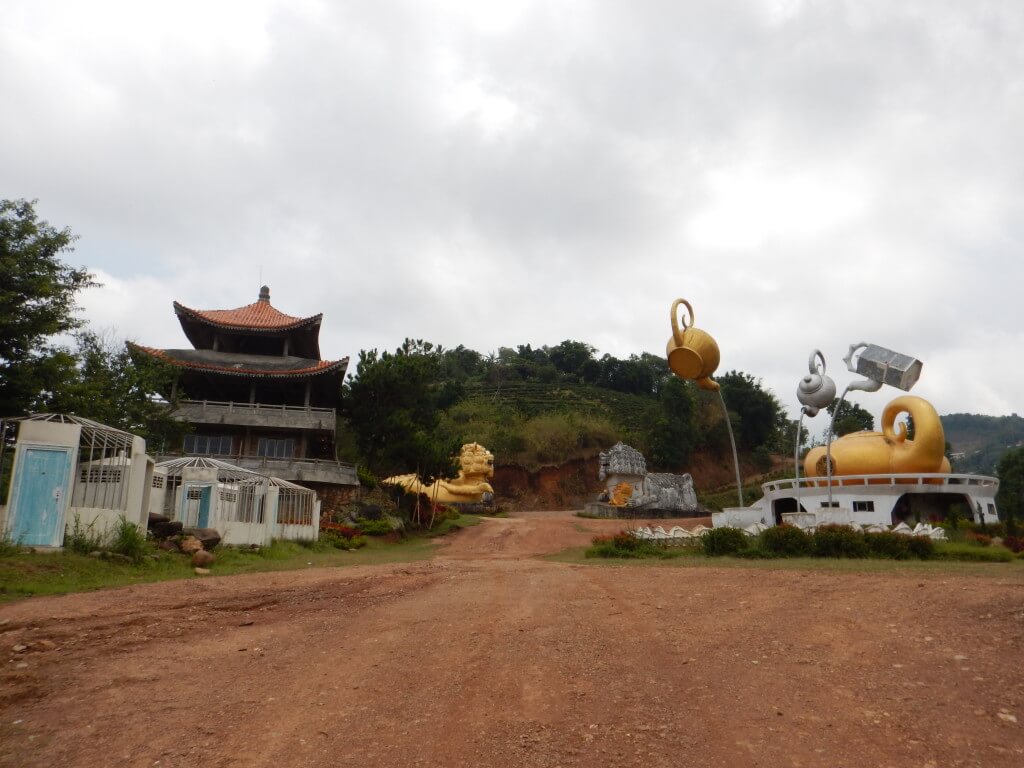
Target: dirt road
485	656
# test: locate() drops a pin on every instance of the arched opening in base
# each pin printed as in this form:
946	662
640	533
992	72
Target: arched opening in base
913	508
783	505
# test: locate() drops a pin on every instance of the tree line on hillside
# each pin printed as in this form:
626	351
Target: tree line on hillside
399	403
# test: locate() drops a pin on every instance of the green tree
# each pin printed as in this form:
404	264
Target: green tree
394	403
570	357
1010	499
673	433
106	384
758	415
851	418
37	301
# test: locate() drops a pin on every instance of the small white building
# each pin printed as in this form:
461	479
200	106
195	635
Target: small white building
67	469
243	506
862	500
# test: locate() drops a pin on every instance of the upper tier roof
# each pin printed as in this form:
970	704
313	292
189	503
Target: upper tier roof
260	320
258	316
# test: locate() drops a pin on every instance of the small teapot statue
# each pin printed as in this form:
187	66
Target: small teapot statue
692	353
816	390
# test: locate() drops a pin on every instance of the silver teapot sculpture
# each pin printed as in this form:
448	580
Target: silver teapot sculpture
816	390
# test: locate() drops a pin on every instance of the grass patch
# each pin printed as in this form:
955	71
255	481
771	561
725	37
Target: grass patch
25	573
973	553
448	525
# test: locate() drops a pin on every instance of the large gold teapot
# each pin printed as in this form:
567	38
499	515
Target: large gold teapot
692	353
890	451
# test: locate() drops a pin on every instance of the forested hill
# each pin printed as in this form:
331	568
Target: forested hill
981	439
545	406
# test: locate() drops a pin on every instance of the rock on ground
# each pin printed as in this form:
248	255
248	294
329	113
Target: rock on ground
203	559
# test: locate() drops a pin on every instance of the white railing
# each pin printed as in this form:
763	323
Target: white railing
233	407
923	478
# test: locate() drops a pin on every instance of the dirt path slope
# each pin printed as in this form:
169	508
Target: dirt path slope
485	657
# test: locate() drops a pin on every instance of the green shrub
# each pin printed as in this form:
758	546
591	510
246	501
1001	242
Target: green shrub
625	545
128	539
332	540
785	541
838	541
886	544
987	529
375	527
366	478
8	546
921	547
724	541
981	539
83	539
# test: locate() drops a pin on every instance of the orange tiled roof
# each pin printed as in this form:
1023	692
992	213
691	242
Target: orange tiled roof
259	315
240	365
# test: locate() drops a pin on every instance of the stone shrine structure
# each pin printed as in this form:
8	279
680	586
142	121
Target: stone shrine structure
632	491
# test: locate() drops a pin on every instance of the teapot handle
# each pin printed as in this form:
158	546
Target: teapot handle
676	333
816	363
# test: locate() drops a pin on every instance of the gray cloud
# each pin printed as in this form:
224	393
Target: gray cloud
807	173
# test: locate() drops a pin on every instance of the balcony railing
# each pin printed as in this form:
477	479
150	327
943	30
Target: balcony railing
924	478
256	415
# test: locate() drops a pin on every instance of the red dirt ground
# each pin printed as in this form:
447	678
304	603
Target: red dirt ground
487	656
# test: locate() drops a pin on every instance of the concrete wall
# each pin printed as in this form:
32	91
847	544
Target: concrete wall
259	416
245	534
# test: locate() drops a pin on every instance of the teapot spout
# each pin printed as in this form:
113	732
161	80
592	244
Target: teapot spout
709	384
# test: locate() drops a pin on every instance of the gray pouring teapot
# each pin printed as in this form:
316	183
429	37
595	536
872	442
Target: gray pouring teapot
816	390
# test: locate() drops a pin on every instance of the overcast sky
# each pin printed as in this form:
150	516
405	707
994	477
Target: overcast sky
807	174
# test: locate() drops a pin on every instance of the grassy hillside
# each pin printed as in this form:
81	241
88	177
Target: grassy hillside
534	399
534	424
982	439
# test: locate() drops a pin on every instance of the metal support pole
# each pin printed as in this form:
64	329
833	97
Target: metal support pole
828	443
796	455
732	442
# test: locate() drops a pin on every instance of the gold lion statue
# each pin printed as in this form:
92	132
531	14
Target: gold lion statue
476	467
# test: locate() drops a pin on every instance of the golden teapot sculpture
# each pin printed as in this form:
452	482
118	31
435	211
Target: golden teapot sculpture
476	467
889	451
692	353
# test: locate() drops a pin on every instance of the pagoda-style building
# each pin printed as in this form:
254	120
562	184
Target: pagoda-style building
257	393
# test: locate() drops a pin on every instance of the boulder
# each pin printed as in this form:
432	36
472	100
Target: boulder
169	545
190	544
202	571
203	559
208	536
155	518
165	530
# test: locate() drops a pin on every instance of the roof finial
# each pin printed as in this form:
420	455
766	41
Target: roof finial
265	294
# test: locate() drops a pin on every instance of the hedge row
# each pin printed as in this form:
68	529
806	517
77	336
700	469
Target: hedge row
826	541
